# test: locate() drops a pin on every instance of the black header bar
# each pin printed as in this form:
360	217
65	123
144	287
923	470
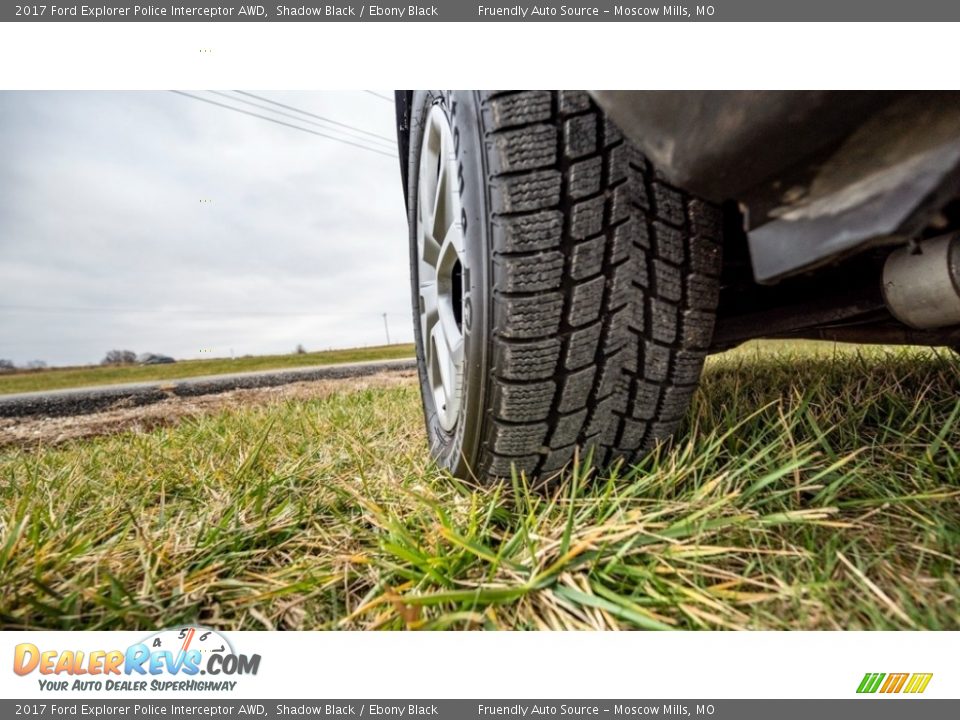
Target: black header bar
485	11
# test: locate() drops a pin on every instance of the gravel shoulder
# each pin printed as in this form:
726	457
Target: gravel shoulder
129	413
84	400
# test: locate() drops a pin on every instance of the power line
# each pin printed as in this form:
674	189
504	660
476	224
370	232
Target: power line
281	122
314	115
378	95
382	144
351	130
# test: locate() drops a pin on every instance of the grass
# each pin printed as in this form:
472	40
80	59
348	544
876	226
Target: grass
58	378
811	489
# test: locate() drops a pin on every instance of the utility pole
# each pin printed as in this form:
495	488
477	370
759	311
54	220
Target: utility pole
386	328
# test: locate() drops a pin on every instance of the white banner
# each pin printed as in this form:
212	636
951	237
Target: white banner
763	665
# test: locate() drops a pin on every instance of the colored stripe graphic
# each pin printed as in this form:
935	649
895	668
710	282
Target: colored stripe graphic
918	683
894	683
870	682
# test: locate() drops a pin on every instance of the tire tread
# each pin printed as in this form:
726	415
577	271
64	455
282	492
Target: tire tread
605	282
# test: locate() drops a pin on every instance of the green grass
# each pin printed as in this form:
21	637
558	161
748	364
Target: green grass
58	378
811	489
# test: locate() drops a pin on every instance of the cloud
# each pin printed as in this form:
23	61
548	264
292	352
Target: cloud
105	243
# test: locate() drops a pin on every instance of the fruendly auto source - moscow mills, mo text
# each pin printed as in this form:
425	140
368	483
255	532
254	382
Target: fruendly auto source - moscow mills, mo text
626	11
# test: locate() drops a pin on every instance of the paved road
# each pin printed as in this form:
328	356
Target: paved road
80	401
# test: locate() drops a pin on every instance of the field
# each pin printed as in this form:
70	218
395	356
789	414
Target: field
57	378
814	487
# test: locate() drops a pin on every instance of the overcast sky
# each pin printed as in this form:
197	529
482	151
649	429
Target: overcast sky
105	243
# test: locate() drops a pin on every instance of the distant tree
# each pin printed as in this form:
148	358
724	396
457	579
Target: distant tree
119	357
7	365
36	365
301	350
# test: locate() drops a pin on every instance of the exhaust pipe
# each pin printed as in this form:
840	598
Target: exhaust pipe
921	284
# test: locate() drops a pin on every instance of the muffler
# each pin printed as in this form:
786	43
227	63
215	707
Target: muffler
921	283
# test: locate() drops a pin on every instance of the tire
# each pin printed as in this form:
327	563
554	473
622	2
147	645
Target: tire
576	297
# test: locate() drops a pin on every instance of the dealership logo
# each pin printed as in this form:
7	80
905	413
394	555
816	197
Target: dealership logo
894	683
168	660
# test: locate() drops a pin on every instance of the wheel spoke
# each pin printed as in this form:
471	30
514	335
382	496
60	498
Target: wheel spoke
429	247
429	250
443	361
445	202
455	353
437	222
428	307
